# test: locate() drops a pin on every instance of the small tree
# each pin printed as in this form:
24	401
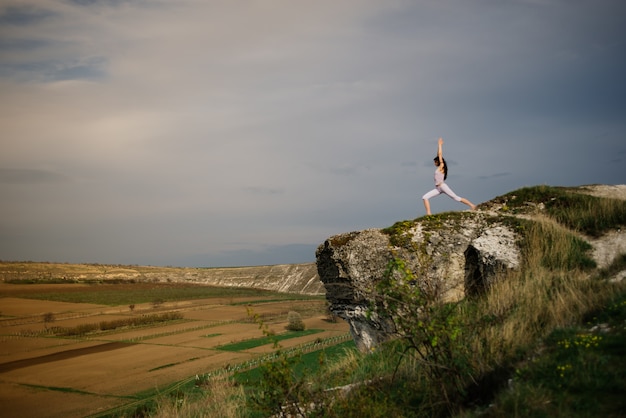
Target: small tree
48	318
294	322
429	328
331	316
279	391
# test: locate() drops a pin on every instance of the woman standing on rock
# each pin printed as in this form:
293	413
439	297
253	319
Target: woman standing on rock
441	174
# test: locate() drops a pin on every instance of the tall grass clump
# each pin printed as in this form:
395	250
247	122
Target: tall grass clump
552	246
553	289
587	214
220	398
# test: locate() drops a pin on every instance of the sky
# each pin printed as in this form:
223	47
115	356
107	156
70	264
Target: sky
206	133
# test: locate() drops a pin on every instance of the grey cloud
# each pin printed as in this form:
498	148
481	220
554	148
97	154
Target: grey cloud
263	190
22	15
16	44
495	175
182	126
343	171
88	71
55	70
99	2
29	176
269	255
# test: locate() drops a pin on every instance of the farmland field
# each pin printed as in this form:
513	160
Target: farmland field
58	359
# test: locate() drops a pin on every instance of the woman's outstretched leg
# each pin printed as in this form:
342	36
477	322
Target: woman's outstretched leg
427	206
468	203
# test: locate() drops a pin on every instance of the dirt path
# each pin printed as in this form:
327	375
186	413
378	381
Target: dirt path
615	191
608	246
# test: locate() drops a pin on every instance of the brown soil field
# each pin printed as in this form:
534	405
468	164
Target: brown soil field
45	375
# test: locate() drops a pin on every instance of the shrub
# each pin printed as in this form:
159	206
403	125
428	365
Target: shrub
294	322
430	332
48	318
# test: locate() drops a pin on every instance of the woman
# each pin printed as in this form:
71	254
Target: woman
441	174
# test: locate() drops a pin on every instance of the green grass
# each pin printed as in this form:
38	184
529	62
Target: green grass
581	212
257	342
107	326
558	247
581	372
399	235
115	295
308	363
192	390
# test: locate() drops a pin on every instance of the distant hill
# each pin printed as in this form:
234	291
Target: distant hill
290	278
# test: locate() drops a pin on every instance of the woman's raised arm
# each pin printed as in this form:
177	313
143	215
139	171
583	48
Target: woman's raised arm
440	149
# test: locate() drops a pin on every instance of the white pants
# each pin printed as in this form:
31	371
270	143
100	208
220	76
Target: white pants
442	188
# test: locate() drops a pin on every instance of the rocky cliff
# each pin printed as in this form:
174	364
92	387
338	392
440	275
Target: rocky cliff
455	254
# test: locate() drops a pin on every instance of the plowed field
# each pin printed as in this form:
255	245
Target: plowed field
43	374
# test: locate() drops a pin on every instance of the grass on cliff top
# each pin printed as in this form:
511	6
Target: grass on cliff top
590	215
399	235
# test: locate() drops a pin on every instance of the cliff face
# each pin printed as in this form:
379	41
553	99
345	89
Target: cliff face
456	254
291	278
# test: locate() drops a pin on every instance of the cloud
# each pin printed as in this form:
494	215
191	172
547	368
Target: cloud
271	255
157	130
263	190
22	15
495	175
29	176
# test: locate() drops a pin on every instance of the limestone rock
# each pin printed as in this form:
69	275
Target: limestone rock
492	253
349	264
455	254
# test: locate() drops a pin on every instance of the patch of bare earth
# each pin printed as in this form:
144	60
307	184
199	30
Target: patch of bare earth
611	191
613	243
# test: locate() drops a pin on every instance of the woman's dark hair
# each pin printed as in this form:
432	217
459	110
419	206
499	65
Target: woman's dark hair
445	166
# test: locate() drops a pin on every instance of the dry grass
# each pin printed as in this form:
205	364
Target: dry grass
222	398
553	289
